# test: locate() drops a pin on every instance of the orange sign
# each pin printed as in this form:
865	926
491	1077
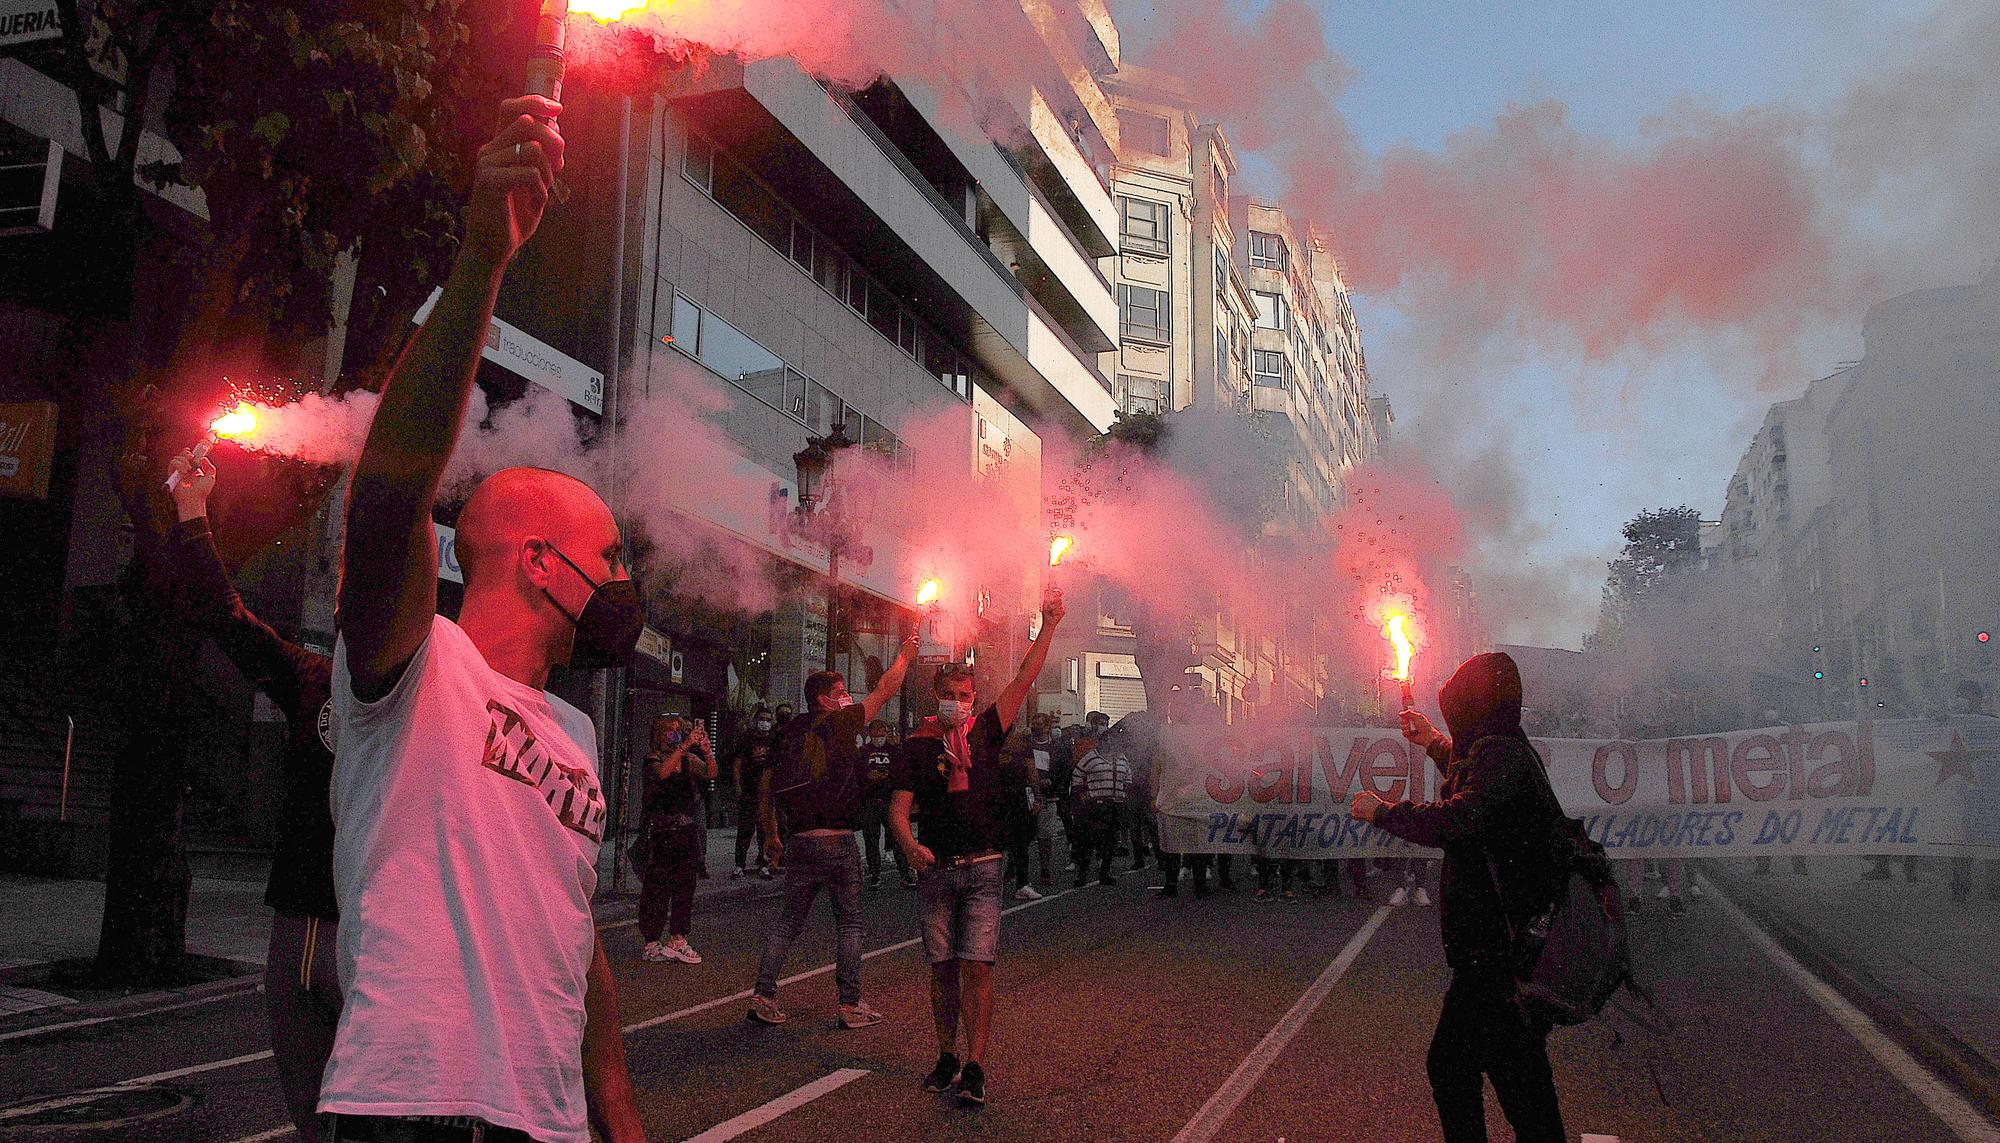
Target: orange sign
27	447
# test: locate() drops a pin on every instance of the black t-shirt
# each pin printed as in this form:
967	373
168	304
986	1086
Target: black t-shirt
878	772
676	793
842	733
977	819
752	760
300	684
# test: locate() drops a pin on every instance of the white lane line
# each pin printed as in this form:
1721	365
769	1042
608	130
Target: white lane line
1961	1117
871	954
1223	1103
790	1101
267	1136
157	1077
45	1029
75	1098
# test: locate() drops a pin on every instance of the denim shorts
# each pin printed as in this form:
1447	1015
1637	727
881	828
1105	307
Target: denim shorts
959	909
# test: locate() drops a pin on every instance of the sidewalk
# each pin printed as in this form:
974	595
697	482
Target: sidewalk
56	920
1924	966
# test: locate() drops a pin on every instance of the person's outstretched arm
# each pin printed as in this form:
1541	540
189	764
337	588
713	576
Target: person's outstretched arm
1031	665
891	681
388	577
613	1108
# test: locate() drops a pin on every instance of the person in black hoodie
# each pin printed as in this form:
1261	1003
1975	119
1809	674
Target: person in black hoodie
302	997
1494	819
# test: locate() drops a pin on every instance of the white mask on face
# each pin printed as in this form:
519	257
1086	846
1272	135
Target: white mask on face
951	712
844	701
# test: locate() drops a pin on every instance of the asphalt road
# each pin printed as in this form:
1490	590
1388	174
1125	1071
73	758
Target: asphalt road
1121	1015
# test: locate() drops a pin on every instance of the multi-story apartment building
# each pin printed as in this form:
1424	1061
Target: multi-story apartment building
1853	543
787	258
1222	307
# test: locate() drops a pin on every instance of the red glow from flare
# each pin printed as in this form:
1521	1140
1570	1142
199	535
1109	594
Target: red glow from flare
928	593
1396	631
606	11
1058	548
238	422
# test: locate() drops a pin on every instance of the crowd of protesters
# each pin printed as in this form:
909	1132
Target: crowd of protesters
437	795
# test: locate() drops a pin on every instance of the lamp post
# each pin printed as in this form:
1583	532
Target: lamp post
823	517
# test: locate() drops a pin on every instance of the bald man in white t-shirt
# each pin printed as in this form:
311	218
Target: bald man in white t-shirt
468	813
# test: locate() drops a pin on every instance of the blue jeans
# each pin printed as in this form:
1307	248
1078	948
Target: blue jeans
958	909
810	863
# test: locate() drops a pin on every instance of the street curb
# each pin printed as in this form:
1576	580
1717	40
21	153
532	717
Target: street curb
1941	1050
137	1003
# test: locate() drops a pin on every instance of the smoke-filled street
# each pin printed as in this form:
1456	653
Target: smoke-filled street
1128	1016
606	571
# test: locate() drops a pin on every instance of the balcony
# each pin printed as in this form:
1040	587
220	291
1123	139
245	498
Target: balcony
817	149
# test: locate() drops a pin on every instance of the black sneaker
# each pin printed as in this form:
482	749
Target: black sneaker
972	1086
1675	907
944	1074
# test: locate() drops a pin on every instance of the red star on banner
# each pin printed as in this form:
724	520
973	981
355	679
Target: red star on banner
1956	761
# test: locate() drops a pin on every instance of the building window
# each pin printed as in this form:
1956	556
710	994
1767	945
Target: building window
742	361
1270	310
1142	314
1146	134
1268	251
1267	368
1142	394
771	219
698	163
1144	226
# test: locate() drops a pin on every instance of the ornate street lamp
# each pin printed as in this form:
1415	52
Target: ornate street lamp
823	518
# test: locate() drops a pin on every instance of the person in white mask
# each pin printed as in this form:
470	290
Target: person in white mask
951	768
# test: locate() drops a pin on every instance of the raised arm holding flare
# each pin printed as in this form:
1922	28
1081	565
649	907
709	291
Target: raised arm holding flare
465	796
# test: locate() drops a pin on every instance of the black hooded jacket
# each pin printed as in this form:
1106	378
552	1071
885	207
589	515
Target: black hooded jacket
1493	803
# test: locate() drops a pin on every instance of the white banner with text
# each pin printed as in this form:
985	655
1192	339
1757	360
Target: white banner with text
1903	786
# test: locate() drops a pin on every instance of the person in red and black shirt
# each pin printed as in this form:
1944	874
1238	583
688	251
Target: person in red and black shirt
301	985
951	768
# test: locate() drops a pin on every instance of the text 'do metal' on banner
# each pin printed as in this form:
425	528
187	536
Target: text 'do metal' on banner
1904	786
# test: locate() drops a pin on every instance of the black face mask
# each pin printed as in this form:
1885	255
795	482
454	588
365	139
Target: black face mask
607	630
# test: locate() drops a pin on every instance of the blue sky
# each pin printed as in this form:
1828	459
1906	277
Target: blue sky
1594	444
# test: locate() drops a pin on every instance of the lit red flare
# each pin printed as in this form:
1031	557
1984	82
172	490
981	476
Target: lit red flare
928	593
1058	548
240	421
606	11
1397	632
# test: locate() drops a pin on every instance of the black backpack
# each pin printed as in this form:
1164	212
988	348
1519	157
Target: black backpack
804	781
1573	955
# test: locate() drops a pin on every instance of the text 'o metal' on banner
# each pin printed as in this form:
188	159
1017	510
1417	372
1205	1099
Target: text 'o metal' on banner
1901	787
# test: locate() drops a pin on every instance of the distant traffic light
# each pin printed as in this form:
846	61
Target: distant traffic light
1819	674
1815	648
1864	680
1983	637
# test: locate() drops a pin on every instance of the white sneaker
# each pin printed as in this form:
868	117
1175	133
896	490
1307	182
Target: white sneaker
1693	887
1664	893
736	874
680	950
1423	898
656	953
1027	893
1400	897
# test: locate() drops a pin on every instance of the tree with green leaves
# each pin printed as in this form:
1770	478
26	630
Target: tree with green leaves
321	137
1661	546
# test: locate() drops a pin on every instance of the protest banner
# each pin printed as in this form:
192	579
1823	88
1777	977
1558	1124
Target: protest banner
1901	787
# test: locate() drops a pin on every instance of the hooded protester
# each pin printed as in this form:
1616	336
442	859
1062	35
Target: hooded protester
1494	818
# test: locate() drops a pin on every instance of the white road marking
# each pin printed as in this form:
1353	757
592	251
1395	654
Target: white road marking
1224	1102
45	1029
790	1101
76	1098
157	1077
267	1136
871	954
1961	1117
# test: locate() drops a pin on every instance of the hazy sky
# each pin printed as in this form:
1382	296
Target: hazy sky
1594	440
